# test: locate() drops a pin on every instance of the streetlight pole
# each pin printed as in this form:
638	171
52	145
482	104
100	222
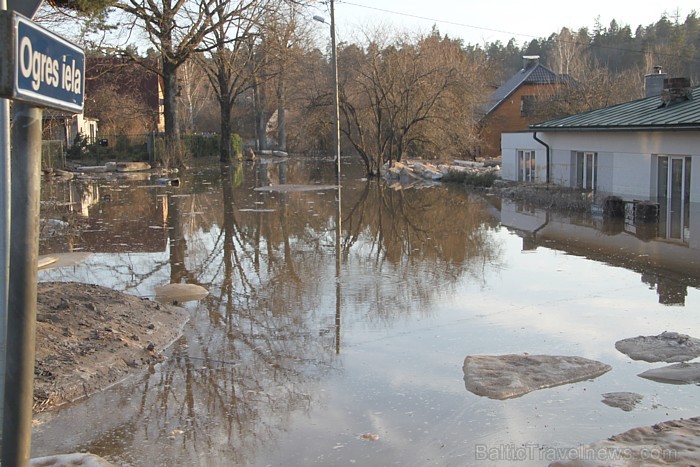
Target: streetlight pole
338	230
336	99
334	58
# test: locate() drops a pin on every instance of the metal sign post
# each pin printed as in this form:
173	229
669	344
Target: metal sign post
24	254
37	68
4	228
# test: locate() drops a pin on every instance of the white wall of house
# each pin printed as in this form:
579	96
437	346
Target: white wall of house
84	126
626	160
527	220
521	141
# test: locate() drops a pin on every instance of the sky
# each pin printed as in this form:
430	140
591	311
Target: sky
479	22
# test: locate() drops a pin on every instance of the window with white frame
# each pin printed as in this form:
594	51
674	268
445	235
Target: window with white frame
586	170
526	166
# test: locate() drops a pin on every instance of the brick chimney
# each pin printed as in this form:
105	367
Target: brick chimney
675	90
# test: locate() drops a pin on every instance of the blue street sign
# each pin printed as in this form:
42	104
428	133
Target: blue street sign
49	71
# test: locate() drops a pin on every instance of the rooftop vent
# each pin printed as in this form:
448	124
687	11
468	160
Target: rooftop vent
675	90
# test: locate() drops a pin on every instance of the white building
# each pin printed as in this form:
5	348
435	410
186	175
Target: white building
65	128
644	150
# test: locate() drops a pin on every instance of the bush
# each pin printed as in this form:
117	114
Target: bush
123	144
237	145
482	178
201	145
79	147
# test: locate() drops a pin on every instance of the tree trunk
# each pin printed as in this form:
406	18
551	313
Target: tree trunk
281	118
174	155
225	151
260	120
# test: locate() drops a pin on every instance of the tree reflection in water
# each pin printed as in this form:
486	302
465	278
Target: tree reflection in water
426	240
258	346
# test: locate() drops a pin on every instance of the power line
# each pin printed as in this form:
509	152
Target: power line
454	23
434	20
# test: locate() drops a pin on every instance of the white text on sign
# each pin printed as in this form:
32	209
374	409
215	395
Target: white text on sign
45	70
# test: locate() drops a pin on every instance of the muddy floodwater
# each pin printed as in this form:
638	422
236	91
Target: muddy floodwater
338	319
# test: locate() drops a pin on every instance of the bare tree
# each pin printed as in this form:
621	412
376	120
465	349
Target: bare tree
397	94
118	114
590	89
176	28
309	90
229	64
569	53
286	36
194	93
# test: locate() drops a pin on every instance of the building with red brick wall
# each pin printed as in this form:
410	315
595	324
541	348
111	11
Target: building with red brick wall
512	105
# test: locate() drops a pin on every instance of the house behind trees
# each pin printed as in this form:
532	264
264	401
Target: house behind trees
512	106
124	96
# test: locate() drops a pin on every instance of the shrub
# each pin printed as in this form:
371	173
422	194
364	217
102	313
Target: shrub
201	145
482	178
237	145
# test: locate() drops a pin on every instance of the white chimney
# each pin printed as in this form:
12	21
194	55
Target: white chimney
530	60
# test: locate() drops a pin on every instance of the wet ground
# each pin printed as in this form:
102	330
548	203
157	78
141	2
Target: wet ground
326	346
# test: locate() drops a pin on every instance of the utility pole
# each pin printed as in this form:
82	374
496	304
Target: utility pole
336	98
334	52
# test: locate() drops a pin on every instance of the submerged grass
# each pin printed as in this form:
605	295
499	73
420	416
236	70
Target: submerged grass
480	179
545	196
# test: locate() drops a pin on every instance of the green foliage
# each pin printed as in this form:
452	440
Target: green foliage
238	175
483	178
201	145
208	145
671	42
159	145
122	144
83	6
79	147
85	151
135	147
237	145
125	149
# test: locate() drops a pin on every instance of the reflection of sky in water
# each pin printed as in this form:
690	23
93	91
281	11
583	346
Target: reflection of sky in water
405	382
406	328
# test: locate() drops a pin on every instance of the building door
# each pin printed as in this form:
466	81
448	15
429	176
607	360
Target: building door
674	196
586	170
526	166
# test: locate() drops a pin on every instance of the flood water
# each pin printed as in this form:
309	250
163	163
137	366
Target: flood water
327	346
